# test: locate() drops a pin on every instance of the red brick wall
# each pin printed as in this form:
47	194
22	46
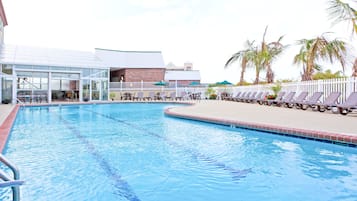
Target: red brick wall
138	74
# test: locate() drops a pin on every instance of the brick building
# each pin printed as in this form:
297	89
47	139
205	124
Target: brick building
133	66
145	66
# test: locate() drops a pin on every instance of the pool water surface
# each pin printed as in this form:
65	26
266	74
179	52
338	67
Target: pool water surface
133	151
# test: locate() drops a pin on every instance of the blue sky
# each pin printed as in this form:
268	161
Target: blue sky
205	32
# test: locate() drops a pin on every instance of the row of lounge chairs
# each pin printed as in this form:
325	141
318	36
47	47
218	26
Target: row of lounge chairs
301	101
163	96
151	96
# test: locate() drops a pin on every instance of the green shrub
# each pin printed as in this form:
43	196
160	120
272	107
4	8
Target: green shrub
213	96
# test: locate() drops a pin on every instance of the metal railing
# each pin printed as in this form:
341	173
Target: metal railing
15	182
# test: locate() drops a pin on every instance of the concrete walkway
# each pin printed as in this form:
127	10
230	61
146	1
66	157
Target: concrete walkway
270	116
5	110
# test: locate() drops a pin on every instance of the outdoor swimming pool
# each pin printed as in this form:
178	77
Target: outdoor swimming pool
134	152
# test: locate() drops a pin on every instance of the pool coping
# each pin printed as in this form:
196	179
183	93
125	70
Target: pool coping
5	127
330	137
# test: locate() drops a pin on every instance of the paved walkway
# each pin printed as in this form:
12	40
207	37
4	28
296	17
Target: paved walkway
5	110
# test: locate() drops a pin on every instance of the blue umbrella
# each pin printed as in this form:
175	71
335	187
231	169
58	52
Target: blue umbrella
194	83
225	82
161	83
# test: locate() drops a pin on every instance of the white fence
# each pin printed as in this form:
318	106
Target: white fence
343	85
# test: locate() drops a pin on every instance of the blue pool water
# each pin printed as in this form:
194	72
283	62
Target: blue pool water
133	152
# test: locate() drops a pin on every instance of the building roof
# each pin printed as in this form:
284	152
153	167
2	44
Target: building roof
130	59
23	55
2	14
182	75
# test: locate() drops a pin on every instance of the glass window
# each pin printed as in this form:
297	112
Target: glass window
32	80
95	85
65	85
104	90
85	72
56	84
7	69
68	76
85	91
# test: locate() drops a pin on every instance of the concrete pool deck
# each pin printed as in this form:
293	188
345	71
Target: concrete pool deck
310	124
7	117
307	124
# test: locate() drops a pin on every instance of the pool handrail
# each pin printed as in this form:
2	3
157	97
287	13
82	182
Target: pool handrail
8	181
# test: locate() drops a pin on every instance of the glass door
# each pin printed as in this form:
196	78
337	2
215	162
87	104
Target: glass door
6	90
96	90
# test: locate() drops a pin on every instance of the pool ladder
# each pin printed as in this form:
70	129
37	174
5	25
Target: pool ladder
7	181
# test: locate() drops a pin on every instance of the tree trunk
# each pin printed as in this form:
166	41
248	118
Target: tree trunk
307	75
354	70
270	75
241	81
256	81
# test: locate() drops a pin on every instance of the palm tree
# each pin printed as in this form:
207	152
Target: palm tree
257	57
320	48
269	52
256	60
241	56
340	11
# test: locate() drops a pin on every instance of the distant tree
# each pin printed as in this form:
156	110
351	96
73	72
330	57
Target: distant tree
339	12
328	74
241	56
269	52
319	48
258	57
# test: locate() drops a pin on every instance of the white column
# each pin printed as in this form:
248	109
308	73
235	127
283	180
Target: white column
49	91
14	86
176	87
80	93
0	84
142	85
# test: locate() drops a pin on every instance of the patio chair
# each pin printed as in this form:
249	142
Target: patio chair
161	96
244	96
311	102
232	97
171	96
250	97
225	95
151	96
255	98
278	98
286	99
349	105
301	97
329	102
262	98
183	96
237	98
139	96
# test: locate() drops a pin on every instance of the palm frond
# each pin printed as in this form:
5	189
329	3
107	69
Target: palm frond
340	11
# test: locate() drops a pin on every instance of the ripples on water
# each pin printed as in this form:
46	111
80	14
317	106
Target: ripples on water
133	152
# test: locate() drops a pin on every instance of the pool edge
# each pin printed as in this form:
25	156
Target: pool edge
6	126
330	137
